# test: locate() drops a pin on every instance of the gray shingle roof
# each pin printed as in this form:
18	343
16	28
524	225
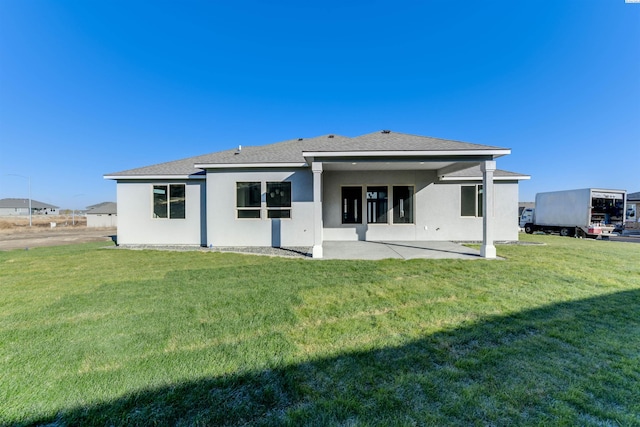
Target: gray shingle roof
97	205
104	208
394	141
24	203
282	152
633	196
176	167
291	151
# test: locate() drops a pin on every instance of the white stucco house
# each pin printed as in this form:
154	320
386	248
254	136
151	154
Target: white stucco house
102	215
12	206
301	192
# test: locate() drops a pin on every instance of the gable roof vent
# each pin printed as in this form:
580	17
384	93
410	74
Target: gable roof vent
386	131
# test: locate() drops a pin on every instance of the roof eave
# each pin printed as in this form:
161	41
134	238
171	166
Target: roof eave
251	165
155	176
495	153
479	178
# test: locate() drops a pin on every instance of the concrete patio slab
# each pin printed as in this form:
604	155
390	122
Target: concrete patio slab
369	250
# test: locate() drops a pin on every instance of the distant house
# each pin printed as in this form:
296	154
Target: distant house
102	215
301	192
11	207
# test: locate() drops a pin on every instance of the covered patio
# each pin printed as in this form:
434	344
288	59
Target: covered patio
387	163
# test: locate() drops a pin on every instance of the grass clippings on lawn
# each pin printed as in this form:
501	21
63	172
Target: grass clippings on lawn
550	335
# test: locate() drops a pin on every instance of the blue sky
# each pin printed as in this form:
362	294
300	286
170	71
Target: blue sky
88	88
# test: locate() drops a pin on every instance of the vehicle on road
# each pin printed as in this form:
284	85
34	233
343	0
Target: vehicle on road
586	212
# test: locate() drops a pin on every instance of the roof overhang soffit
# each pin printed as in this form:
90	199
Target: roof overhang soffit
284	165
454	167
155	177
405	156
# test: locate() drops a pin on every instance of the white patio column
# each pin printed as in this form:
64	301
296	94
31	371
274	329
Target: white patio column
316	168
487	250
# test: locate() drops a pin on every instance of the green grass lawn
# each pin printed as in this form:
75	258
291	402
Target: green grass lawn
94	336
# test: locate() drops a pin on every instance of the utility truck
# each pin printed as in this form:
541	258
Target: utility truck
587	212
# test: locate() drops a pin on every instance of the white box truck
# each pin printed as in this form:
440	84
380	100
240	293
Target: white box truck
587	212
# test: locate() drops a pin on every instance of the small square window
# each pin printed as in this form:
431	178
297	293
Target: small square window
279	213
169	201
249	214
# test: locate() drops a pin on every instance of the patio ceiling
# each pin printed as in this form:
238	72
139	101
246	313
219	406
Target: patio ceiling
356	165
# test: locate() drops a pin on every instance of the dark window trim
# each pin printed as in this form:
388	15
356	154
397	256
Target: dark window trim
285	210
248	210
413	204
374	205
359	214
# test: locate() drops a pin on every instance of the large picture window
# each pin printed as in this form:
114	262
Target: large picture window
352	205
403	204
471	200
278	199
248	199
169	201
377	204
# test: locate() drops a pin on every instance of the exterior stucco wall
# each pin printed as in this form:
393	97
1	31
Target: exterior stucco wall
437	208
14	211
225	229
102	220
333	181
211	214
25	211
136	225
446	223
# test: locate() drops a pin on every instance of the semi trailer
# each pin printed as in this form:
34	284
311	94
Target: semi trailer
586	212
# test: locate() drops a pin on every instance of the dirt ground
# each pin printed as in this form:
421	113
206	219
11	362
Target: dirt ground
25	238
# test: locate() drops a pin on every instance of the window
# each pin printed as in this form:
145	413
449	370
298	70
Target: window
352	205
471	200
248	199
169	201
403	204
377	204
278	200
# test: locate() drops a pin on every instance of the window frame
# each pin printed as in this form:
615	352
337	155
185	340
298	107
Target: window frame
257	208
279	210
377	199
478	201
169	201
342	205
413	204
